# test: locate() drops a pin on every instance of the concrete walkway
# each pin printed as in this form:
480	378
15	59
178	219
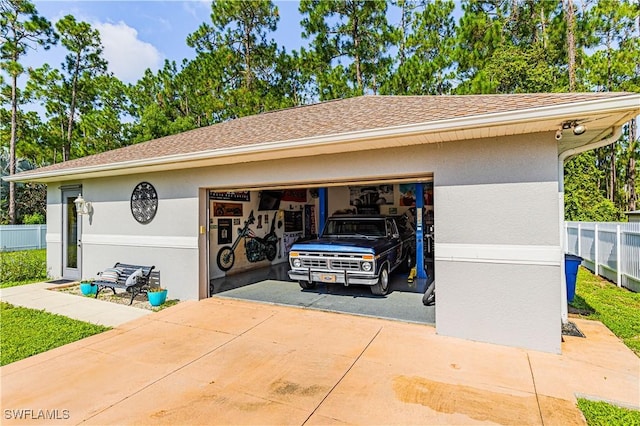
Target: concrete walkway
226	361
37	296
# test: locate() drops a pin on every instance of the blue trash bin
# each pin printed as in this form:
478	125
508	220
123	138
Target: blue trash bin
571	264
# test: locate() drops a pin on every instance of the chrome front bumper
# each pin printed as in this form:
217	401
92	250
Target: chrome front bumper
336	277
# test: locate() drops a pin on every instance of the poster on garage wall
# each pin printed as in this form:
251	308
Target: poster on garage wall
269	200
408	194
293	221
230	196
225	233
371	195
295	195
228	209
368	199
310	228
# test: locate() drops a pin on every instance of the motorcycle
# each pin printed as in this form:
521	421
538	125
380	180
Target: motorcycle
256	248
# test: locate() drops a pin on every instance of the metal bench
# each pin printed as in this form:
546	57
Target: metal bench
139	284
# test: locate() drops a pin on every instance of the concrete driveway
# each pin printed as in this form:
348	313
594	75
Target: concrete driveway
226	361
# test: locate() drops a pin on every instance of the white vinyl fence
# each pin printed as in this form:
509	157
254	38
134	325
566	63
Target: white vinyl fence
609	249
23	237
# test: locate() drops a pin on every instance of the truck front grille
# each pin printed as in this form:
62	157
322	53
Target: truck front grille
330	261
314	263
344	264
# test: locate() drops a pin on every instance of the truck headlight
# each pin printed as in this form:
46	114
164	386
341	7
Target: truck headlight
297	263
366	266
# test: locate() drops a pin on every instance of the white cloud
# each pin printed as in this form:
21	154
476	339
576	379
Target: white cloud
198	9
128	56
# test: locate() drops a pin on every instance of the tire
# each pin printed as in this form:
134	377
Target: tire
306	285
382	286
429	297
271	251
407	262
226	258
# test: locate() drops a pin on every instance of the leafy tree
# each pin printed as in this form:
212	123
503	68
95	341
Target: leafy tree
355	32
584	201
235	48
102	128
514	69
425	61
569	14
21	28
75	90
480	34
83	63
31	197
30	133
614	65
162	104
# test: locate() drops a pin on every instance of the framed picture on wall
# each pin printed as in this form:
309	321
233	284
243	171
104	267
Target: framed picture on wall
227	209
269	200
310	220
297	195
230	196
293	221
408	194
225	234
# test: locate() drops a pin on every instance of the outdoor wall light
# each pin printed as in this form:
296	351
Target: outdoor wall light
577	128
82	206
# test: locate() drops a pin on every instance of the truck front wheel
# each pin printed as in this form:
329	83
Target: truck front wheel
407	261
382	286
306	285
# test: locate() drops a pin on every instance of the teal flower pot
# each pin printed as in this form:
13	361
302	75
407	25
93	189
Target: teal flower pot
88	289
157	298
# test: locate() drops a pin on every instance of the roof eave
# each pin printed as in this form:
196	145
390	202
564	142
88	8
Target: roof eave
627	105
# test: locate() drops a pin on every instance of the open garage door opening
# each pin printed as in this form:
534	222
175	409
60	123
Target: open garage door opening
358	245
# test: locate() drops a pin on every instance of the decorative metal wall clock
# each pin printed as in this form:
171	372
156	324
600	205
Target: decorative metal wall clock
144	202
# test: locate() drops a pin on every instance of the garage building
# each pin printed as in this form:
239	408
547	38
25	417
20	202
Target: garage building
491	166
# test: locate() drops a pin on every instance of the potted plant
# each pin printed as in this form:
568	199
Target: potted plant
157	296
88	288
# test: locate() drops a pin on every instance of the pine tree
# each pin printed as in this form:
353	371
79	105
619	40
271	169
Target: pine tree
21	29
350	39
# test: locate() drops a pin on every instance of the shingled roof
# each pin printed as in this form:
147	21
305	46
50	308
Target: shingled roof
324	119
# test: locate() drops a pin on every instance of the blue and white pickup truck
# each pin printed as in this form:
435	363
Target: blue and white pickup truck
355	249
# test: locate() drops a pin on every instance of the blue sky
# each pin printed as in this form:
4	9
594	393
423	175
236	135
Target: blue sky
137	35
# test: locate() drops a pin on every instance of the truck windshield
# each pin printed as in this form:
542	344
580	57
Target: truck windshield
350	227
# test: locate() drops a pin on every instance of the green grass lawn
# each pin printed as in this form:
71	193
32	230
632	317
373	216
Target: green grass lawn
26	332
600	413
615	307
619	310
22	267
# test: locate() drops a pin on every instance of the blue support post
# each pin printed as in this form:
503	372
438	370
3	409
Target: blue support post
323	214
421	273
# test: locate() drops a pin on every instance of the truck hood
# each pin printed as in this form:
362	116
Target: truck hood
343	245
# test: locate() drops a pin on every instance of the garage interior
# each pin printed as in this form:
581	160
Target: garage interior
245	222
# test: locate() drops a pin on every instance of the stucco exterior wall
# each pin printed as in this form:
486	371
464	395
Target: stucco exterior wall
497	244
111	234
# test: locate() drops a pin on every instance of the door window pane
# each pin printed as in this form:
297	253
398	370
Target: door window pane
72	234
